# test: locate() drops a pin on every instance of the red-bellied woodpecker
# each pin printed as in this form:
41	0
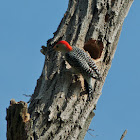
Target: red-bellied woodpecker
81	62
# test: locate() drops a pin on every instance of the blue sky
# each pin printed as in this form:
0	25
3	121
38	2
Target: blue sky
26	25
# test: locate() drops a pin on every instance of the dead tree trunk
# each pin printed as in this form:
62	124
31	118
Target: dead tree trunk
59	108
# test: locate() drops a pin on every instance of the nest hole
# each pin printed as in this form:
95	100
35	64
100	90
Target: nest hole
94	48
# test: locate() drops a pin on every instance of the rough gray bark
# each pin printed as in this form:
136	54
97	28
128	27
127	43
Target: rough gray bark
59	108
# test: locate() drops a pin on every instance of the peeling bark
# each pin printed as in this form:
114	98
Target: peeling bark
59	108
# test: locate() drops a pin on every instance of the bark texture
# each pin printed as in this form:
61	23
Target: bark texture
59	108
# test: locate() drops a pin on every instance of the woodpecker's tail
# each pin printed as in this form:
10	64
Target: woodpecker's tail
89	90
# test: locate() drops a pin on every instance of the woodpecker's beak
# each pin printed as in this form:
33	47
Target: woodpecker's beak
56	48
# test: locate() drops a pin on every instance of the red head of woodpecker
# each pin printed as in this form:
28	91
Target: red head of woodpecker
63	46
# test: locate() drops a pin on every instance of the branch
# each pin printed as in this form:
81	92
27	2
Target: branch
123	135
18	121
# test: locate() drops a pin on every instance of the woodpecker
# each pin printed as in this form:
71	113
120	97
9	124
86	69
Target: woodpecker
81	62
